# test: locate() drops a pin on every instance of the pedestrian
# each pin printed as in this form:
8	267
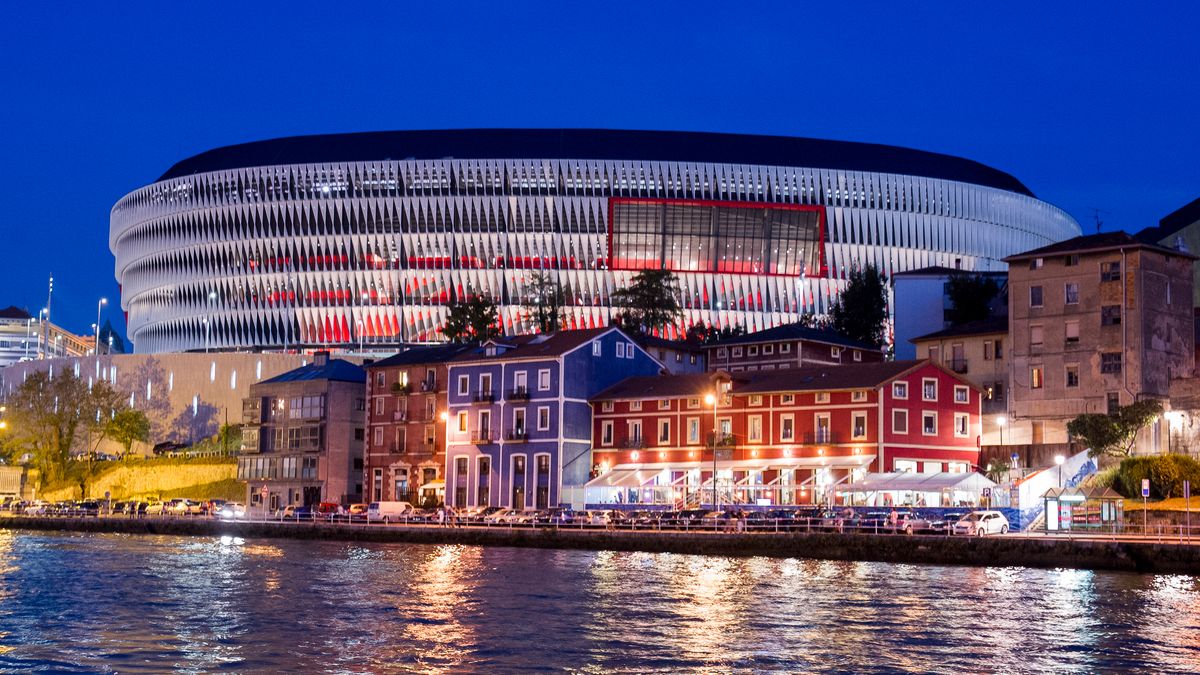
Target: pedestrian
441	517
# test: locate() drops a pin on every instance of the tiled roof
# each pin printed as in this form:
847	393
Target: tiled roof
793	331
14	312
993	324
533	346
647	341
941	270
1103	241
659	386
334	369
852	376
423	354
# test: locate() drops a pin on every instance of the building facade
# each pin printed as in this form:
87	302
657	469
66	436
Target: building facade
519	420
406	431
788	346
1097	322
921	304
302	436
24	338
975	351
778	438
348	239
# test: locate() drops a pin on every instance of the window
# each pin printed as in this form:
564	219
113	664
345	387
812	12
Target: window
835	352
629	350
377	436
1072	260
464	385
521	382
377	484
722	353
787	429
768	350
1168	293
857	355
635	433
858	425
379	381
664	404
360	404
485	469
693	430
1110	315
1036	264
664	432
1071	293
485	384
519	428
1035	377
1035	296
1113	400
929	423
485	424
620	350
693	403
787	399
737	352
821	397
678	357
462	422
1110	271
962	394
999	351
987	350
359	434
606	406
899	421
821	427
379	405
544	418
755	400
785	348
752	350
635	405
929	389
1036	336
597	348
1110	363
606	432
962	425
1072	375
544	379
900	390
309	407
754	428
1071	329
858	396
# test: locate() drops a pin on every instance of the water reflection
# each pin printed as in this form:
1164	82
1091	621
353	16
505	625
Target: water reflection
151	604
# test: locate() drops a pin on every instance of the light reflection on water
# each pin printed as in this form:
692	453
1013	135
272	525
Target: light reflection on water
86	602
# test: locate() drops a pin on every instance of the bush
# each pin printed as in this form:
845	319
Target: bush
1166	474
1107	478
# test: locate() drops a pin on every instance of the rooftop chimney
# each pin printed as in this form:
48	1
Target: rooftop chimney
320	359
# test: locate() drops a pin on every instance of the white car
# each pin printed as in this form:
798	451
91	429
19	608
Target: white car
232	511
979	523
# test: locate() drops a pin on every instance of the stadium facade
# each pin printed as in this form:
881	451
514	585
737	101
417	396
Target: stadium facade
362	239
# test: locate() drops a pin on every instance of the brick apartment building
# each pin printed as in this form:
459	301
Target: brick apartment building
788	346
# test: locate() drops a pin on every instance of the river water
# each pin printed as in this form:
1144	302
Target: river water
128	603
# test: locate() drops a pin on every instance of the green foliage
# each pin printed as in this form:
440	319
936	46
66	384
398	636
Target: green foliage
971	296
860	312
650	301
1166	474
1114	435
127	427
810	320
997	469
476	319
1107	478
700	334
544	300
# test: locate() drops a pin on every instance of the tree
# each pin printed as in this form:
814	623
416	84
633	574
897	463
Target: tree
971	297
475	319
650	302
49	417
127	427
810	320
544	300
860	312
1114	434
700	334
997	468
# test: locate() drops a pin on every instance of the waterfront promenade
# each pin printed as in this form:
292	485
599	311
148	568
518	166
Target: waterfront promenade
1164	555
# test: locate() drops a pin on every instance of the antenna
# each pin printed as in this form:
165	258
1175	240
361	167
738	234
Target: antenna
1096	216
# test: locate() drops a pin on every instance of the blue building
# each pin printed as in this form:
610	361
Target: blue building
520	426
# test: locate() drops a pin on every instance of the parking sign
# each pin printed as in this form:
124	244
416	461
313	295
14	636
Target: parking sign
1187	489
1145	487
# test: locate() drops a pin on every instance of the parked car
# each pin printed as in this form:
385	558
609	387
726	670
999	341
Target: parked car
89	507
945	524
499	515
232	511
184	507
980	523
358	512
388	512
294	512
37	508
156	509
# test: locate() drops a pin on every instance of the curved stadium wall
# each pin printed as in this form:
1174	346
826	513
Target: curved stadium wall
313	241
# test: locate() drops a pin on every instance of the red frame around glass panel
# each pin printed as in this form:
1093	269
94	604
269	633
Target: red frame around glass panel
821	273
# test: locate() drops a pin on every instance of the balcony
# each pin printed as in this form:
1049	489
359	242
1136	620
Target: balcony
957	365
722	441
401	389
399	415
517	435
482	437
519	394
634	443
486	397
822	437
428	386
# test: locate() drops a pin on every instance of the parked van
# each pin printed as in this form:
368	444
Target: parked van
388	511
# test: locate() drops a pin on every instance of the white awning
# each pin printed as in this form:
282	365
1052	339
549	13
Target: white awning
434	485
919	482
636	475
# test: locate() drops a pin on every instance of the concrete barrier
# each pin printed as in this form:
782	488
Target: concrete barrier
985	551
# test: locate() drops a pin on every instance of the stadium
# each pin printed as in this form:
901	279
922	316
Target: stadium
360	240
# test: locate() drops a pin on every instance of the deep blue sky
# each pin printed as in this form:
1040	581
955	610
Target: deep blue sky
1095	109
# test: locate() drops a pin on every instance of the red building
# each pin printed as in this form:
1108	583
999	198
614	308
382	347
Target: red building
780	437
405	458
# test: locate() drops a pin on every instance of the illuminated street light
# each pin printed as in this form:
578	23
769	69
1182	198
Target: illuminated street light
1059	460
712	399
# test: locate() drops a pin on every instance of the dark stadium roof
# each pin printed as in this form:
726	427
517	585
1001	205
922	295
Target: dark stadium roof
598	144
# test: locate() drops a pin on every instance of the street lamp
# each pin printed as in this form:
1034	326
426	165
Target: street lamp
1059	460
1000	422
101	303
445	417
712	400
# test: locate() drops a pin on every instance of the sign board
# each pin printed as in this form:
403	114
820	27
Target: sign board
1187	489
987	493
1145	487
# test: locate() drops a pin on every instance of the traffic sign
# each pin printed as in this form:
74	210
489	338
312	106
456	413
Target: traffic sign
1187	489
1145	487
987	493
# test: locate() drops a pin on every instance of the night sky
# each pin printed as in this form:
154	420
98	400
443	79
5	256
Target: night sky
1095	110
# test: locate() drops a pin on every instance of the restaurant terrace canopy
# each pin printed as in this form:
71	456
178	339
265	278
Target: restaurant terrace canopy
918	489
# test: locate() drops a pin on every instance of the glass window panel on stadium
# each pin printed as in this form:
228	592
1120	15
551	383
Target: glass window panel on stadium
370	253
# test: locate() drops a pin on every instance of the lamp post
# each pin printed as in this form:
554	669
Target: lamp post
712	398
42	332
1000	422
1059	460
102	302
445	417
